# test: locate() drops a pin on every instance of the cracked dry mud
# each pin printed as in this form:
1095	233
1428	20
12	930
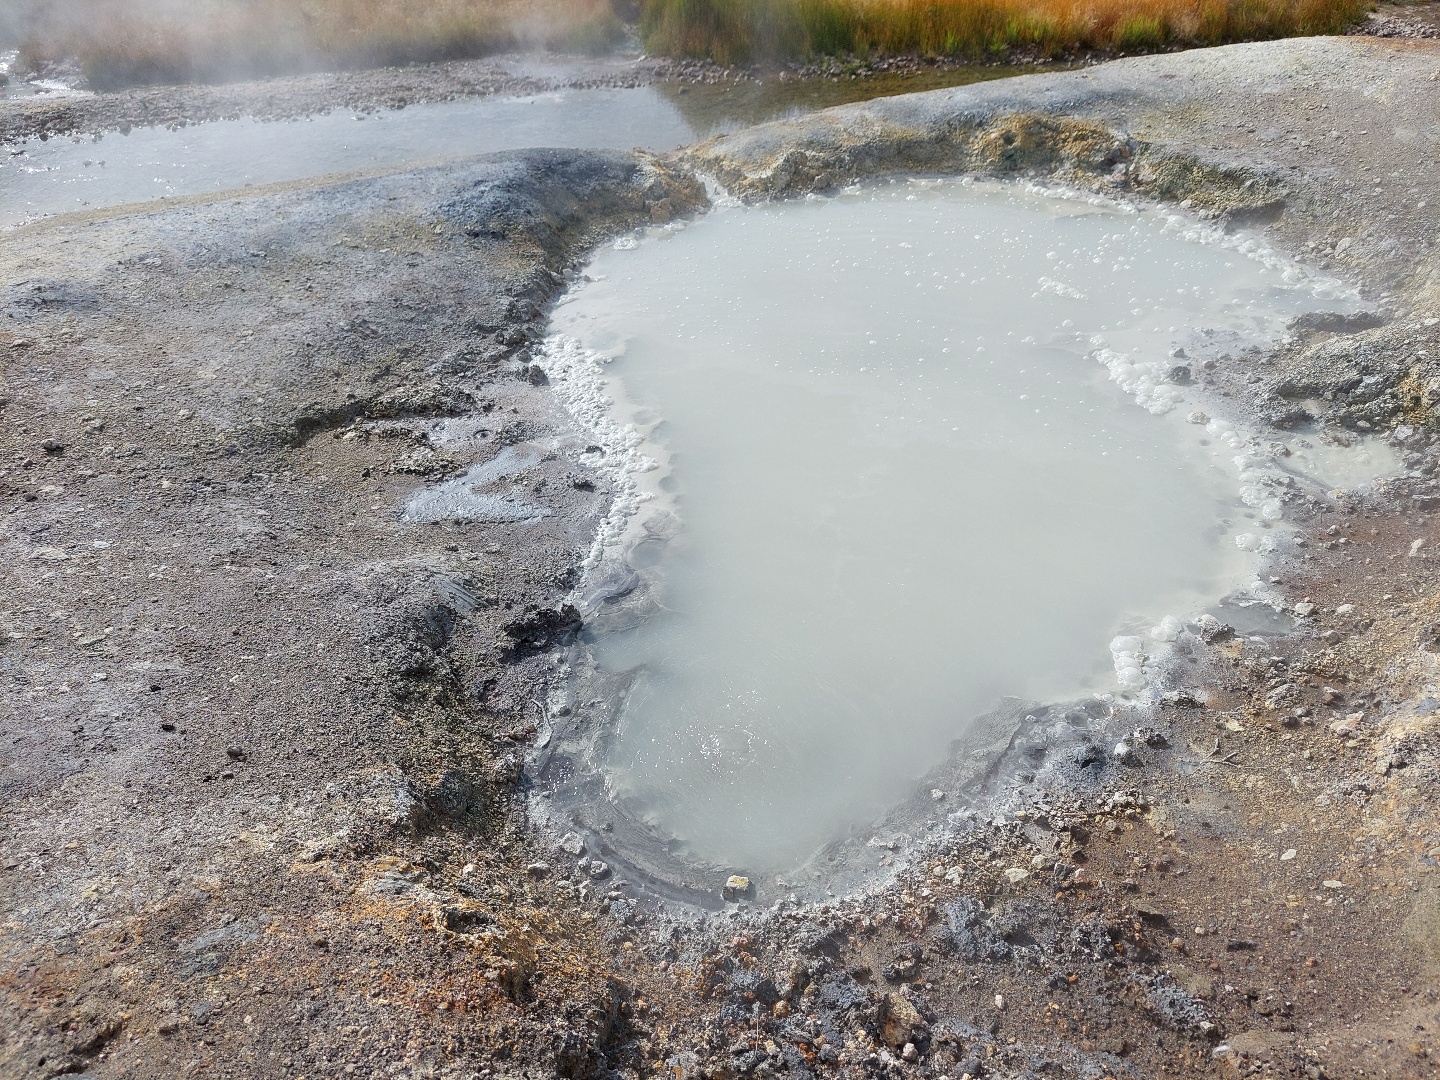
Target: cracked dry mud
264	768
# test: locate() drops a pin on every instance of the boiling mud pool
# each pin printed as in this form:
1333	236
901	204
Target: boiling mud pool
905	482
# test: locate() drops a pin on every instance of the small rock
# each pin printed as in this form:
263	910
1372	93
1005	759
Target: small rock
1197	417
1333	884
1180	699
1347	726
1212	629
1016	874
1000	1002
599	870
538	869
737	887
572	844
1283	696
898	1020
910	1054
1123	752
235	753
1287	854
937	794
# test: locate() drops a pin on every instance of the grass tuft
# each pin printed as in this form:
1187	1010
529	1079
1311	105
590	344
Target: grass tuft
748	31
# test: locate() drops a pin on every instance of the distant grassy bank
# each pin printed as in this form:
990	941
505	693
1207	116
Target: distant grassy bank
121	43
745	31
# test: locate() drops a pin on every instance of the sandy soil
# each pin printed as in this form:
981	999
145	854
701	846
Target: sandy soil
265	788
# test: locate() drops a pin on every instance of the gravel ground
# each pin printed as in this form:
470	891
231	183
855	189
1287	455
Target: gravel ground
265	790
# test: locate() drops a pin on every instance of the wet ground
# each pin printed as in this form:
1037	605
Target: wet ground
266	741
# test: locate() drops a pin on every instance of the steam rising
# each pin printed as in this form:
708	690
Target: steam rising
119	43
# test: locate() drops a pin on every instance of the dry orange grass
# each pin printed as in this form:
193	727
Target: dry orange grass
125	42
737	31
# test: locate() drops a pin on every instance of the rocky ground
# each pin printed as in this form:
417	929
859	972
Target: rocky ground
267	719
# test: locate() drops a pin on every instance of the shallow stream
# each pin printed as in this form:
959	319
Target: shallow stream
916	448
41	178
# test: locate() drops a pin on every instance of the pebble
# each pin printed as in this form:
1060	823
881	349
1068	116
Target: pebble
1333	884
1015	875
1000	1001
572	844
599	870
538	869
1287	855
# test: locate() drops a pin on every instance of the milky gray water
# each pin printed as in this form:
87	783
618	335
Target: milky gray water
61	175
56	176
916	451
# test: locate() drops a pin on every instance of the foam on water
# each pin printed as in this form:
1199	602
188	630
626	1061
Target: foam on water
879	460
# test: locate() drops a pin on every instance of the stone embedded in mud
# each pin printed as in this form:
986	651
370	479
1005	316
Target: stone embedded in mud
737	887
899	1020
541	629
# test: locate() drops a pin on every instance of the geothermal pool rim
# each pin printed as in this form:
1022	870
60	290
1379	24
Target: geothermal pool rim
580	716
